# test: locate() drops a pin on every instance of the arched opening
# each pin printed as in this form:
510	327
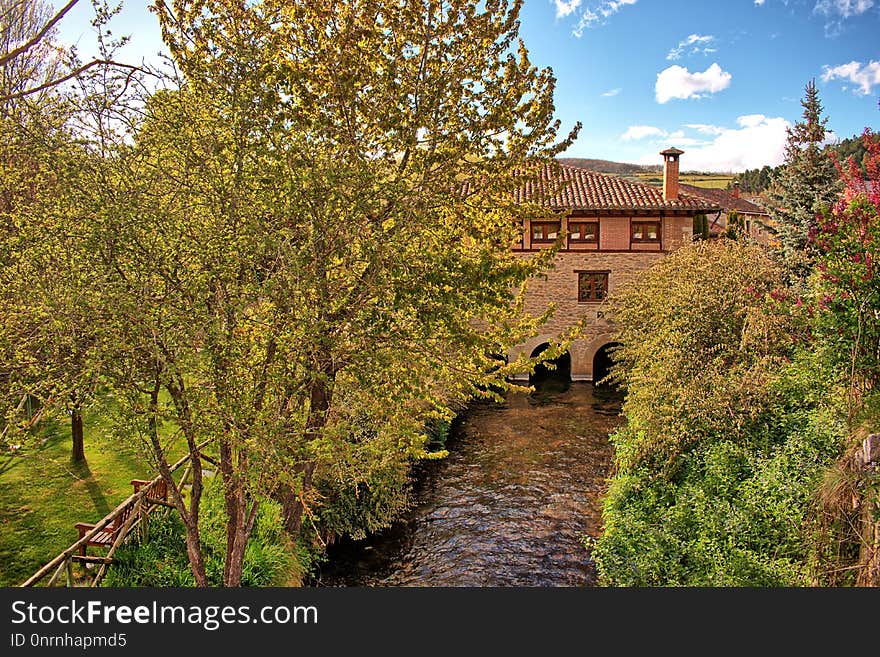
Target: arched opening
602	363
554	373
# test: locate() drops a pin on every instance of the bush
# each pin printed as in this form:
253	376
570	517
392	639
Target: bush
728	428
162	560
734	515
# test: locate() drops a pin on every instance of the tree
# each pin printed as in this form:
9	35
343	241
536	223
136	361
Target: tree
845	303
847	239
23	66
31	65
684	327
46	338
317	222
736	226
805	186
752	181
701	227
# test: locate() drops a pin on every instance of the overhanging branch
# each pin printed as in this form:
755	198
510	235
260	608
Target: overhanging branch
75	72
34	40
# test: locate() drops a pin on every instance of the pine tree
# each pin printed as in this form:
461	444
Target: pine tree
736	226
701	227
804	187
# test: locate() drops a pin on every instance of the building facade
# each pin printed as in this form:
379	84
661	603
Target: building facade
755	220
611	228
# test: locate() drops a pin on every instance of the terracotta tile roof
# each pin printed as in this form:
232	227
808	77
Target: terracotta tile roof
723	199
589	190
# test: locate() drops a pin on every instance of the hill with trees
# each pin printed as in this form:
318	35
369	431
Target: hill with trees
755	181
607	166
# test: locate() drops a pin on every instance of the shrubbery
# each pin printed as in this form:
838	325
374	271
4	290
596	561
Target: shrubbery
727	436
162	560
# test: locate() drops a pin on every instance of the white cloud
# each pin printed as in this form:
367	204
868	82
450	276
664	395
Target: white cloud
598	13
694	44
611	92
758	141
566	7
843	8
758	3
750	120
635	132
679	138
836	12
865	76
677	82
660	136
705	128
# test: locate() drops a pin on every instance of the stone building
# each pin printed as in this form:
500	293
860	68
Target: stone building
756	220
612	228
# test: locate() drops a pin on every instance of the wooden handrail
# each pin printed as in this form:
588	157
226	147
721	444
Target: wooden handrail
134	498
120	536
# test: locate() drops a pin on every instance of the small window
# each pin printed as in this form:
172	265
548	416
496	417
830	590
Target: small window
592	285
646	231
583	231
545	231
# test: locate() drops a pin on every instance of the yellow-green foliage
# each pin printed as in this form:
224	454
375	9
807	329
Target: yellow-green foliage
280	242
726	438
699	339
162	560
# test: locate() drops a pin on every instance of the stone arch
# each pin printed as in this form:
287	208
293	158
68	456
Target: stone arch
583	352
527	348
561	371
602	360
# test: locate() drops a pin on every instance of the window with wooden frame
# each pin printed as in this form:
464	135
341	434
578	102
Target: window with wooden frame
545	231
583	231
592	285
645	231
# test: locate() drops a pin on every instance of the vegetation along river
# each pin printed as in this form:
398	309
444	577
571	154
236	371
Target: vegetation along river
509	506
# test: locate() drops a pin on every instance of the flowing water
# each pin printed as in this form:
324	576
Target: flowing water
509	506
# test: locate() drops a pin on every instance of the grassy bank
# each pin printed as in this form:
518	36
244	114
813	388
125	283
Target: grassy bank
716	181
42	495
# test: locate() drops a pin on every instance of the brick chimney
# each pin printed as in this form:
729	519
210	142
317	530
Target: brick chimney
736	189
670	173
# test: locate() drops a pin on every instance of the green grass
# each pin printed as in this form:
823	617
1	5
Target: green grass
42	495
714	181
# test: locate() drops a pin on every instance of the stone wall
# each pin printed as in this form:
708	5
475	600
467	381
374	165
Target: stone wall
559	285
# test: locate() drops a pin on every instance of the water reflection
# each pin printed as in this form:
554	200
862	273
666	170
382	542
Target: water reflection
510	504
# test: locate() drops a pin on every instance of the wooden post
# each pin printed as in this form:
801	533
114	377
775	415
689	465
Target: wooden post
144	526
54	577
64	559
869	573
185	476
120	537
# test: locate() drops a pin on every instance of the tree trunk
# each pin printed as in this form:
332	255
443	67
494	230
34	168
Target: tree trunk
235	550
320	397
194	552
869	557
189	517
292	503
78	452
239	521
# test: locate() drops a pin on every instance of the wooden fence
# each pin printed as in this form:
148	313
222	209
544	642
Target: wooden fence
869	559
134	512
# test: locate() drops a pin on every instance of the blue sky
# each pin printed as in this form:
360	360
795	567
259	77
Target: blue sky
720	79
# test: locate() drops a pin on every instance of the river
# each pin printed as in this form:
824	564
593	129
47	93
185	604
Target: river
509	506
